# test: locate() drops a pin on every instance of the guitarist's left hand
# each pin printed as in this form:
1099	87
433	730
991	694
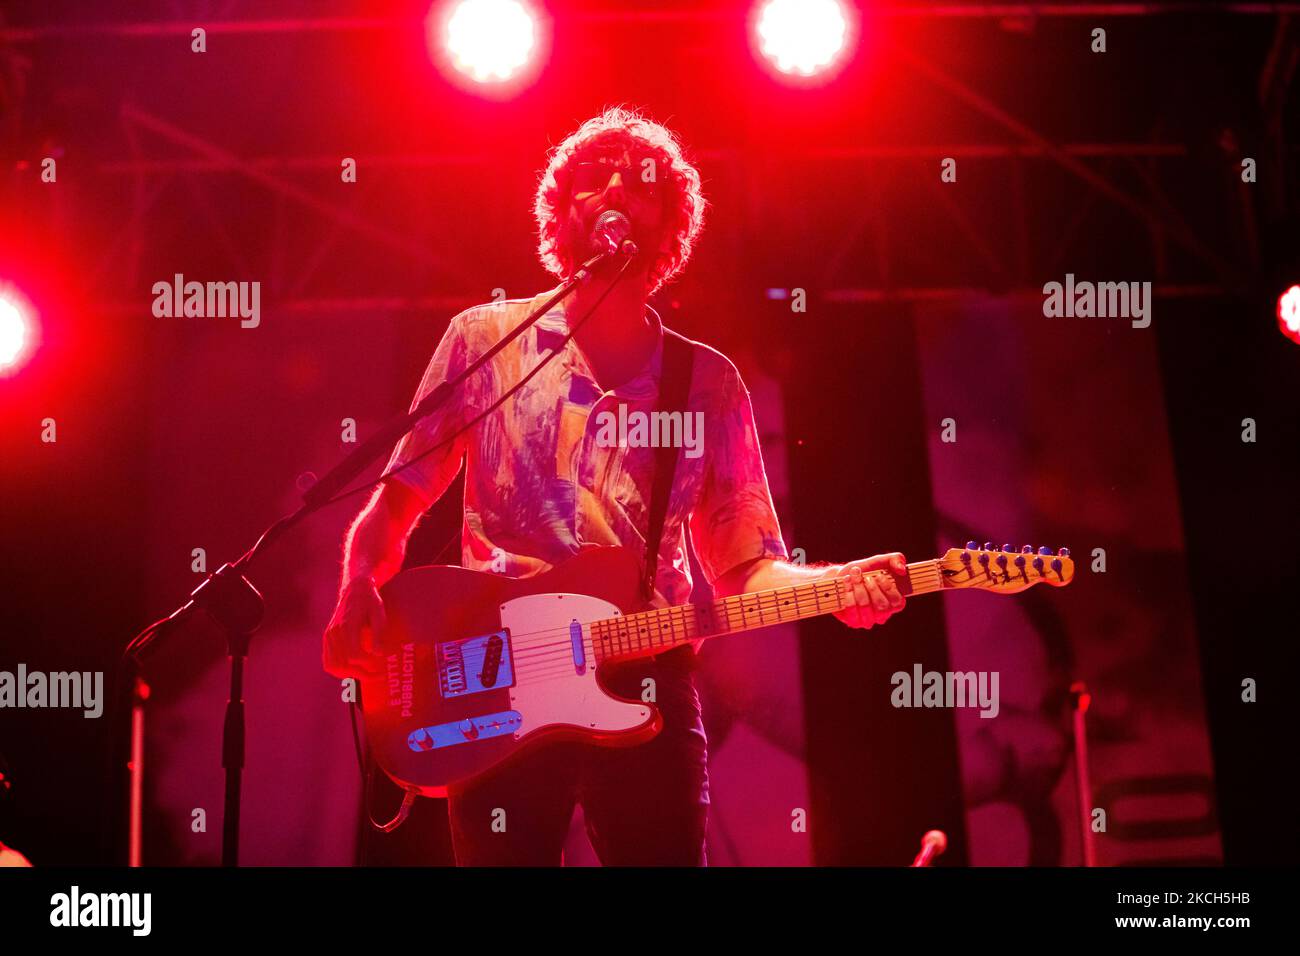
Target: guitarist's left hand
876	597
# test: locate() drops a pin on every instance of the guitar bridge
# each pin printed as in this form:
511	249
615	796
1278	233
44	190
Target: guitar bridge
476	664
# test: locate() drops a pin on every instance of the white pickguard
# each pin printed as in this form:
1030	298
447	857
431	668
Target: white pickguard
547	690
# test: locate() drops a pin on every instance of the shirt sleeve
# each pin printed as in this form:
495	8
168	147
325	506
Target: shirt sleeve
428	475
734	520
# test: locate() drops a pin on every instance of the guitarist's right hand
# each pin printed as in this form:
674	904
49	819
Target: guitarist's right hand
351	646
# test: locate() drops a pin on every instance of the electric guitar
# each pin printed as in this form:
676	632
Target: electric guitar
485	666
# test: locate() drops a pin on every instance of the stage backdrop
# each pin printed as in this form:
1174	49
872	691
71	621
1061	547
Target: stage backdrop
1066	443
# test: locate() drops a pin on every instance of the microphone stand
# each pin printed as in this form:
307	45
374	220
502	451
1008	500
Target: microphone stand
237	607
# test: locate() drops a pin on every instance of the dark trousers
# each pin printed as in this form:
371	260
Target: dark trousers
645	805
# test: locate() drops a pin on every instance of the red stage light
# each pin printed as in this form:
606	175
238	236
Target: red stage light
803	38
488	42
17	331
1288	313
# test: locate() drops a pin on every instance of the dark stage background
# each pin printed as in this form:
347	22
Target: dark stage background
924	303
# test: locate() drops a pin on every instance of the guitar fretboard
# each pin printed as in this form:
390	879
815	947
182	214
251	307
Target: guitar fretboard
655	631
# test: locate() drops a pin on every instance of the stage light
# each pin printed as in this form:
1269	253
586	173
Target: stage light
488	41
803	39
1288	313
17	331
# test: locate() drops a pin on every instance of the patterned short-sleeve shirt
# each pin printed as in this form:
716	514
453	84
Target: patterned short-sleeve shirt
546	476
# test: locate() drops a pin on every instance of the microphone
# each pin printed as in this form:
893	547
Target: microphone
610	235
932	844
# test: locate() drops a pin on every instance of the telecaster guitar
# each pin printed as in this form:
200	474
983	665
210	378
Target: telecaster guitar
486	666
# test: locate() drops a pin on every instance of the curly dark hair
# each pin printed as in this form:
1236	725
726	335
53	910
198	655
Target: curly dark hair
619	127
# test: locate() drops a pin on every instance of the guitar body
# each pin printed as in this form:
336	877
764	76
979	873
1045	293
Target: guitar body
485	667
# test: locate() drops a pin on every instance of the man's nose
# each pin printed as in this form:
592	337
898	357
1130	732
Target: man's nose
614	189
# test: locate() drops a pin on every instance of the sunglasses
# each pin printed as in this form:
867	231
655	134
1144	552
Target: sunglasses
591	178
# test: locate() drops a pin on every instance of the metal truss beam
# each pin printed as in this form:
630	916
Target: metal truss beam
154	29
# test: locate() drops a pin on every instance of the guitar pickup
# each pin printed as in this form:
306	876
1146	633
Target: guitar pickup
487	677
576	645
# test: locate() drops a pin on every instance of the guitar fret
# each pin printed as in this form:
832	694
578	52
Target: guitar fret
656	629
714	628
793	603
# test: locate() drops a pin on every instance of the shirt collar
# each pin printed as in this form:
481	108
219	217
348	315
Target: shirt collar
643	385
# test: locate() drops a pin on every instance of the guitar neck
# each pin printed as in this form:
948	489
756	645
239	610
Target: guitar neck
655	631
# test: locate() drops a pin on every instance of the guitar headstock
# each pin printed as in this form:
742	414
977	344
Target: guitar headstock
1006	571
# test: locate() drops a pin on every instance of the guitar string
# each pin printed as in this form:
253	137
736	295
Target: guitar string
925	577
557	663
540	663
617	621
618	626
535	660
631	643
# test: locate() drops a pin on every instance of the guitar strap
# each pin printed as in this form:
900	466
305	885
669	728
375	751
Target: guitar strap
674	389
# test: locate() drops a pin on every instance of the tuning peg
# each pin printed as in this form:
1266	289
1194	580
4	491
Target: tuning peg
1056	565
1002	560
1020	561
1064	552
1038	564
988	546
1045	550
972	546
1027	549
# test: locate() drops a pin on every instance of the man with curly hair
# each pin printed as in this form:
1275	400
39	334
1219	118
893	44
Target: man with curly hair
540	485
